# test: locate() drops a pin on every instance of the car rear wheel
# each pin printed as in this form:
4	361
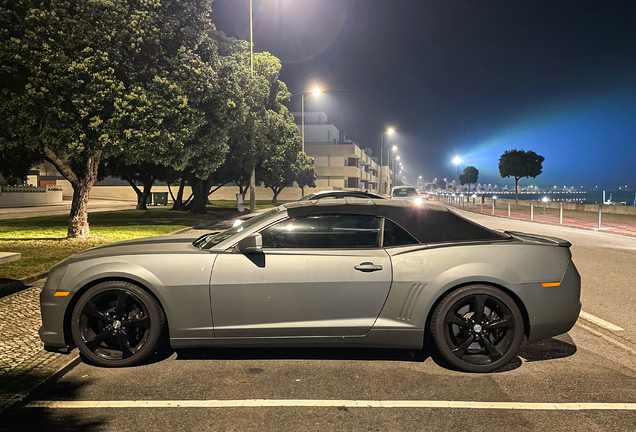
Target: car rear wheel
117	324
477	328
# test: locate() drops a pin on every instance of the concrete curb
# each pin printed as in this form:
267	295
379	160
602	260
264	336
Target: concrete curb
12	287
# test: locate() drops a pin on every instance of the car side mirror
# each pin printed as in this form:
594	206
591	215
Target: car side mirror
251	244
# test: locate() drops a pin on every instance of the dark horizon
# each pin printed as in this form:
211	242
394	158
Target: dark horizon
466	79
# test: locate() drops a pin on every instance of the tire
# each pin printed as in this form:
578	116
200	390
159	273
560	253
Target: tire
473	342
117	324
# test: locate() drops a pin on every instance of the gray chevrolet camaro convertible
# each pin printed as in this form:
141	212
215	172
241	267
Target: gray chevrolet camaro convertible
344	272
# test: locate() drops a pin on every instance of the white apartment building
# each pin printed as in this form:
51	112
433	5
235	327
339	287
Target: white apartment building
340	163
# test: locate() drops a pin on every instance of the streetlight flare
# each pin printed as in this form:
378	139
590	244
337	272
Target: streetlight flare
316	91
457	160
390	131
394	148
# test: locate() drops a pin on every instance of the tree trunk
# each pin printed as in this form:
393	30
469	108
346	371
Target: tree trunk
468	187
276	193
143	198
200	189
177	203
216	188
516	191
78	218
171	194
139	193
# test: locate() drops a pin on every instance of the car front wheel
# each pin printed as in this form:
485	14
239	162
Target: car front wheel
477	328
117	324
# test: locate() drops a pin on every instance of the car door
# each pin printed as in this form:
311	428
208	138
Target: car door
322	275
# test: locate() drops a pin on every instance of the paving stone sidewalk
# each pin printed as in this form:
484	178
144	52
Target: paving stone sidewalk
19	324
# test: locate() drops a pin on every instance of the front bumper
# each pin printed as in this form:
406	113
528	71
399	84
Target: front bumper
53	310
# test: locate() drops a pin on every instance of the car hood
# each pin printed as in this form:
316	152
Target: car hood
149	245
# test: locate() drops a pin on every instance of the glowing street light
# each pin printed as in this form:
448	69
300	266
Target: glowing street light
394	148
457	161
316	91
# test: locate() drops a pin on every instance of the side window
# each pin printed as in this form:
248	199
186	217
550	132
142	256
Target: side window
394	235
324	231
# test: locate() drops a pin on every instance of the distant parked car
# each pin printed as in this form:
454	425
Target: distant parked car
335	194
406	193
327	194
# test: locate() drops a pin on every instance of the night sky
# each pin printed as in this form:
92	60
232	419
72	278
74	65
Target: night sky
468	78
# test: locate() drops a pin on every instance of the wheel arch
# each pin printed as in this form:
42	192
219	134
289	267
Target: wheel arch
68	338
508	291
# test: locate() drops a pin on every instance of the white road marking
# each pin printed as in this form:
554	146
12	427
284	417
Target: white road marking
600	322
608	338
576	406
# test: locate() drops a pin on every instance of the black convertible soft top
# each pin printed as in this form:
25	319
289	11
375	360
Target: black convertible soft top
428	223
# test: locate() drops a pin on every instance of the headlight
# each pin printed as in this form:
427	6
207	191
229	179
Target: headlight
236	223
418	201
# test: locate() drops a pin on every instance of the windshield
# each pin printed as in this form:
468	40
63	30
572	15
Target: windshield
212	240
404	192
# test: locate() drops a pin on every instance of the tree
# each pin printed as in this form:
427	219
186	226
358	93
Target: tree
306	175
81	81
441	183
281	166
469	176
518	164
145	173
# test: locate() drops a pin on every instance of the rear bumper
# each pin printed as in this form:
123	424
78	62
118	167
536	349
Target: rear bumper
553	310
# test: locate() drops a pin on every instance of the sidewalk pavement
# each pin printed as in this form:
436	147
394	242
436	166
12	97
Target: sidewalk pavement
611	223
94	205
24	365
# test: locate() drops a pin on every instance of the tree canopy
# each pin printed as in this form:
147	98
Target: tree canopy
80	81
469	176
519	164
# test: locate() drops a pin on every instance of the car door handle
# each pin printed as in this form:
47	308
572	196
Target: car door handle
367	267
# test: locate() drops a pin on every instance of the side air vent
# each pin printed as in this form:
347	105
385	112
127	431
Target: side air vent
410	302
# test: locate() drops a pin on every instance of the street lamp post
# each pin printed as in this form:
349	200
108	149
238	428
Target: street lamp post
457	161
395	157
382	182
253	175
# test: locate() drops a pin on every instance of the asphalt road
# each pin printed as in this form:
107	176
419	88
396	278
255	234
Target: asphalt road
590	364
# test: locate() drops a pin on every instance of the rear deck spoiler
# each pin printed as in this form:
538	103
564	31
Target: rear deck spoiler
536	238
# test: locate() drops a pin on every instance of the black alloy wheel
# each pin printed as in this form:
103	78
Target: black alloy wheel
477	328
117	324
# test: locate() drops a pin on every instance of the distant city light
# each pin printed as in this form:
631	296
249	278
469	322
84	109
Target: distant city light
545	199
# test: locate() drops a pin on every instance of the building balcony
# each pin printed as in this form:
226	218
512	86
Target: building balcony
327	149
338	171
